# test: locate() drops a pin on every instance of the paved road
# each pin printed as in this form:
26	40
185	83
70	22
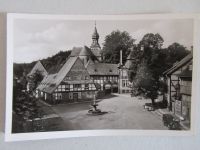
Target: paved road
123	113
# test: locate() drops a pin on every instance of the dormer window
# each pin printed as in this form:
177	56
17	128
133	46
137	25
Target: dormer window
95	70
110	70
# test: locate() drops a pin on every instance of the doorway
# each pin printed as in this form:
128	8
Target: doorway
75	97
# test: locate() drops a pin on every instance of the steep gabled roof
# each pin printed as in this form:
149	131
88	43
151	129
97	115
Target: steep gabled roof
47	84
102	69
85	51
38	67
96	52
128	64
51	82
178	65
90	62
75	51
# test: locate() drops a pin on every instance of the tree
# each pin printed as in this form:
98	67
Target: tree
154	41
114	42
174	53
145	83
146	80
136	57
34	80
154	61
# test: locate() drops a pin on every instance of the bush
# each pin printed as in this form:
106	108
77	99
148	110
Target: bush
171	122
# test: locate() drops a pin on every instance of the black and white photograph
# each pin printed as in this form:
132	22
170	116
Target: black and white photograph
96	73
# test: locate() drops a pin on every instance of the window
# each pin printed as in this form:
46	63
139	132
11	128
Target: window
90	86
77	85
59	88
86	86
71	87
123	83
126	83
58	96
67	87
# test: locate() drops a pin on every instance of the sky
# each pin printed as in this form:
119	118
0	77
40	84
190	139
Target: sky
37	39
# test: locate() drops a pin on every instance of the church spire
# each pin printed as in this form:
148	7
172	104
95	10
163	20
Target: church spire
95	35
95	38
95	47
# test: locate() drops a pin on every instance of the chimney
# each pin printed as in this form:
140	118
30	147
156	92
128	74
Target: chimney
121	57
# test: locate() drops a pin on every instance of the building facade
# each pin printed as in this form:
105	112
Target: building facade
185	91
179	80
105	76
71	84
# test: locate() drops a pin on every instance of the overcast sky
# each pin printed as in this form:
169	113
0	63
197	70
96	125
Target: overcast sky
38	39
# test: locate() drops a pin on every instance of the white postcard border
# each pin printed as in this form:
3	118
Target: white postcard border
9	136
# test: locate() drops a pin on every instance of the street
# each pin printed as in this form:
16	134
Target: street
123	112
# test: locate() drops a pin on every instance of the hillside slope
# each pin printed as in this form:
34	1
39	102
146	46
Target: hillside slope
52	64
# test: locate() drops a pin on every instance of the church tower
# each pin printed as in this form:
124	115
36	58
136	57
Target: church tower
95	47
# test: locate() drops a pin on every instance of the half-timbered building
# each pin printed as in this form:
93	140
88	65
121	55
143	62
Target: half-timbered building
179	80
105	76
71	84
185	91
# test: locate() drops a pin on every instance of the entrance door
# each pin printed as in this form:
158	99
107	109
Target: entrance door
75	97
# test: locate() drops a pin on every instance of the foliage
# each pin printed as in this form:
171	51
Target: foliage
136	57
24	104
174	53
171	122
146	79
34	80
151	40
145	82
52	64
153	62
114	42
